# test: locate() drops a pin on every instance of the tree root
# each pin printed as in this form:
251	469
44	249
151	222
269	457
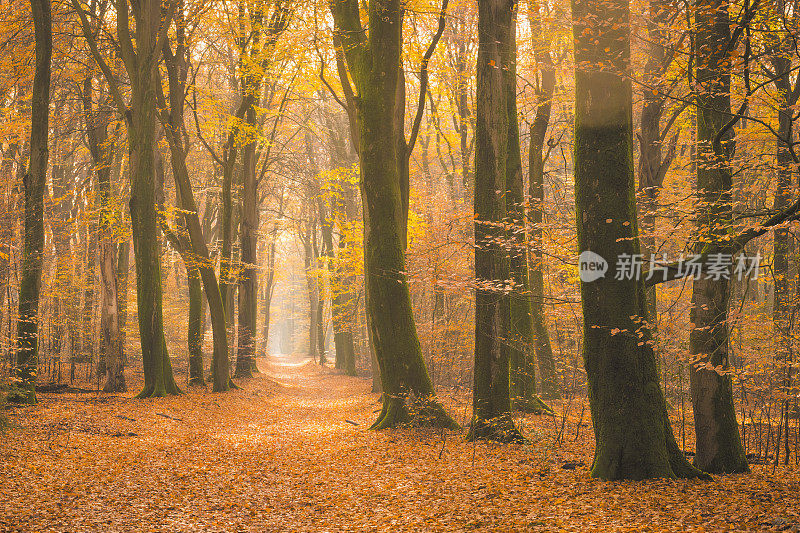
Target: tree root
151	391
500	429
410	412
533	405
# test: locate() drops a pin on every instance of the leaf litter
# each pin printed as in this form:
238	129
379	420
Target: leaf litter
291	451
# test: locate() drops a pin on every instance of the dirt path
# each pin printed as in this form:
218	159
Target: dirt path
284	454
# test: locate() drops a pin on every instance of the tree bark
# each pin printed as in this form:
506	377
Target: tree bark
142	68
123	267
110	350
198	261
787	95
311	287
538	132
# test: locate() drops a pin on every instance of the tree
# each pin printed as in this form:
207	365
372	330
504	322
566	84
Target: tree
653	161
373	61
633	436
536	159
781	50
256	56
719	448
199	266
540	337
34	182
141	63
110	348
497	162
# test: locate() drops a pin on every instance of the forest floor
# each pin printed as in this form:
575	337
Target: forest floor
291	451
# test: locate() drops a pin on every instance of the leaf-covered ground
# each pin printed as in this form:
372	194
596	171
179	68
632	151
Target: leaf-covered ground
285	454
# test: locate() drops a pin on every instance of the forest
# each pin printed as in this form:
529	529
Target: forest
399	265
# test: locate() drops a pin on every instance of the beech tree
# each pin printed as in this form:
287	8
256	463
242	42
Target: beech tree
497	167
536	160
110	348
265	28
373	61
719	447
34	182
633	436
140	50
194	250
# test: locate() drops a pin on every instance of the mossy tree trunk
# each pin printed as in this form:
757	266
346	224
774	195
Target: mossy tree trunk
34	182
373	60
520	332
634	439
496	168
141	62
719	447
538	132
248	245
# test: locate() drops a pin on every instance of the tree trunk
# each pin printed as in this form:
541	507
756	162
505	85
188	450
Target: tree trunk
634	439
783	301
61	227
313	300
34	182
538	133
343	211
248	277
109	349
653	162
195	332
88	331
7	217
199	264
158	377
719	448
123	266
520	332
374	63
495	168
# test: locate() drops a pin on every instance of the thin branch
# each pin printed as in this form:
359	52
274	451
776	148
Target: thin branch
119	101
423	80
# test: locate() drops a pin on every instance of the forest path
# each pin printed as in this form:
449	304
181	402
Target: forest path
280	455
